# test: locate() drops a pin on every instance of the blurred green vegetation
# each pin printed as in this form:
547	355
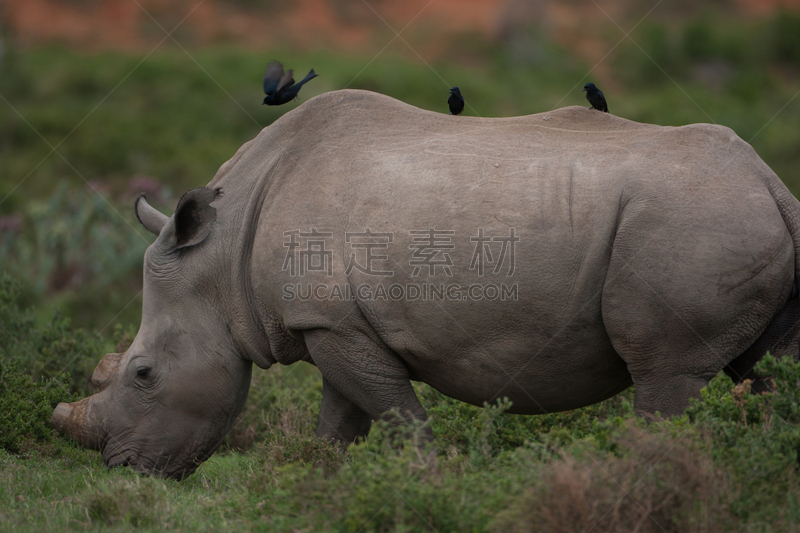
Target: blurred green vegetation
82	134
51	349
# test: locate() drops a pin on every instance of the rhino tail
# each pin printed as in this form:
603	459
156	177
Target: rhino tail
789	208
781	338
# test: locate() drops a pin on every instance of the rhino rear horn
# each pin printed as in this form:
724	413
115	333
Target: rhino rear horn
151	218
106	370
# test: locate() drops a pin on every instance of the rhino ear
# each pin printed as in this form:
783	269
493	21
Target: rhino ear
152	219
192	220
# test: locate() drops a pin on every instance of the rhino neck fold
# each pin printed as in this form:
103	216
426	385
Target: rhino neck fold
245	317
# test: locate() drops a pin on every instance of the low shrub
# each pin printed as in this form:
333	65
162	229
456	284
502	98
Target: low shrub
660	484
48	350
457	424
756	437
26	406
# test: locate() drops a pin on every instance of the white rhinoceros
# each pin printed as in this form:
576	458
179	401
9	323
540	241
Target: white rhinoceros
554	259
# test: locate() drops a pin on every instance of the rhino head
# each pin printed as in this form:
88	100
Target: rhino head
166	403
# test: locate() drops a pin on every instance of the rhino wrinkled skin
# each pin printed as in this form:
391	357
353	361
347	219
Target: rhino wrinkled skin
587	252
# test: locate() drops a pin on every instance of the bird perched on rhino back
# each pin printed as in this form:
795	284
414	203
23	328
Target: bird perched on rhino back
456	101
279	86
595	97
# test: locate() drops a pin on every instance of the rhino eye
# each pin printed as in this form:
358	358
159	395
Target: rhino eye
142	371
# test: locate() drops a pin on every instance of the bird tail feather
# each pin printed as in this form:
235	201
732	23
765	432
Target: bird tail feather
308	77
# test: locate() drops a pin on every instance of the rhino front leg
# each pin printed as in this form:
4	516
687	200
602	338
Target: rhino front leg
362	380
339	418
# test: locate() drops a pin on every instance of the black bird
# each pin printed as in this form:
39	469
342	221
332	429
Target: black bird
279	86
595	97
456	101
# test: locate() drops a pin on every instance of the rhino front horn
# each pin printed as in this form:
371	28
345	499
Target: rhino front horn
72	420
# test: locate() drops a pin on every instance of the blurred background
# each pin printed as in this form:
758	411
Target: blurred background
103	99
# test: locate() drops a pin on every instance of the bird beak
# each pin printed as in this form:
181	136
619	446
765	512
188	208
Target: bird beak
583	91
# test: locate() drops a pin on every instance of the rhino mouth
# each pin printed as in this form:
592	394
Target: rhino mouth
122	459
161	468
166	470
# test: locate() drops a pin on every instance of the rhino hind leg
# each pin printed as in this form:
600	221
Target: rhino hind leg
363	380
674	341
666	396
671	355
780	339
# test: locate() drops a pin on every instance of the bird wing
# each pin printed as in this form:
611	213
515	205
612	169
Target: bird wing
603	100
273	76
286	80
